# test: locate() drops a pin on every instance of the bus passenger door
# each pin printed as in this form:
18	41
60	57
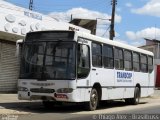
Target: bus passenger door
83	69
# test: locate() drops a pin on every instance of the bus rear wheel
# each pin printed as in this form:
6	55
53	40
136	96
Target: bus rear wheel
135	100
93	103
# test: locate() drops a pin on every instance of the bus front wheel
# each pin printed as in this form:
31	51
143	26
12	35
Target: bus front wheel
48	104
93	103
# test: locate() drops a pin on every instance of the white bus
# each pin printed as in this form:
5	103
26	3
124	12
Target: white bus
71	66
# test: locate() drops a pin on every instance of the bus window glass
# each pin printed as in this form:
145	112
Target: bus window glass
83	61
150	64
48	60
96	55
108	56
144	63
118	58
136	62
128	60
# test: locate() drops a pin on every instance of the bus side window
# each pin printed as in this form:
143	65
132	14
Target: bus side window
118	58
128	60
144	65
83	61
136	61
150	64
108	58
96	55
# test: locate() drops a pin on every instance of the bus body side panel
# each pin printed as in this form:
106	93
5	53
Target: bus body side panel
125	81
112	89
143	80
107	83
84	88
151	83
129	92
115	93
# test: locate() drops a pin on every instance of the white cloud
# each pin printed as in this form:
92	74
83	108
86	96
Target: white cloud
151	8
132	43
87	14
84	14
131	35
137	44
121	41
128	4
150	33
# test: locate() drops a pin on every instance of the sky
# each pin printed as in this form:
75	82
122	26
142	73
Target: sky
134	19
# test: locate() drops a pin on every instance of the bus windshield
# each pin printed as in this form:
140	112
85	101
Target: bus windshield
52	60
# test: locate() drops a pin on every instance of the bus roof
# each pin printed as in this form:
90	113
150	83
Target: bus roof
111	42
103	40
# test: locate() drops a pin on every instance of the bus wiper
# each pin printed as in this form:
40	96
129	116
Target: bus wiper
44	58
54	49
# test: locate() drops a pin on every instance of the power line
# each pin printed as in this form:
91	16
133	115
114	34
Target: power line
105	31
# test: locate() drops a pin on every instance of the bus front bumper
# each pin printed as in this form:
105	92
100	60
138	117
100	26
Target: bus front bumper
65	97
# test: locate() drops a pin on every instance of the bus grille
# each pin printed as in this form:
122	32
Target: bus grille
42	90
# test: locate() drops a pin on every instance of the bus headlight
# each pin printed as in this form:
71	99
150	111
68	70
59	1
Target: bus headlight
22	89
65	90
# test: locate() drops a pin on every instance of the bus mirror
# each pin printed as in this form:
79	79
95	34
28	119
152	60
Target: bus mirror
19	44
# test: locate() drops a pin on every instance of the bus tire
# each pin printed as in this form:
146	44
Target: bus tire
128	101
135	100
48	104
93	103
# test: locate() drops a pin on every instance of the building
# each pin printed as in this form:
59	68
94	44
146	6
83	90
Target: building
154	46
15	23
86	23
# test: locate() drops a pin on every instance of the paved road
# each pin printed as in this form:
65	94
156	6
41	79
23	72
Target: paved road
148	113
75	113
35	110
148	110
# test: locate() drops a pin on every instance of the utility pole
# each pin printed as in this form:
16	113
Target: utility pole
71	17
31	4
112	32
